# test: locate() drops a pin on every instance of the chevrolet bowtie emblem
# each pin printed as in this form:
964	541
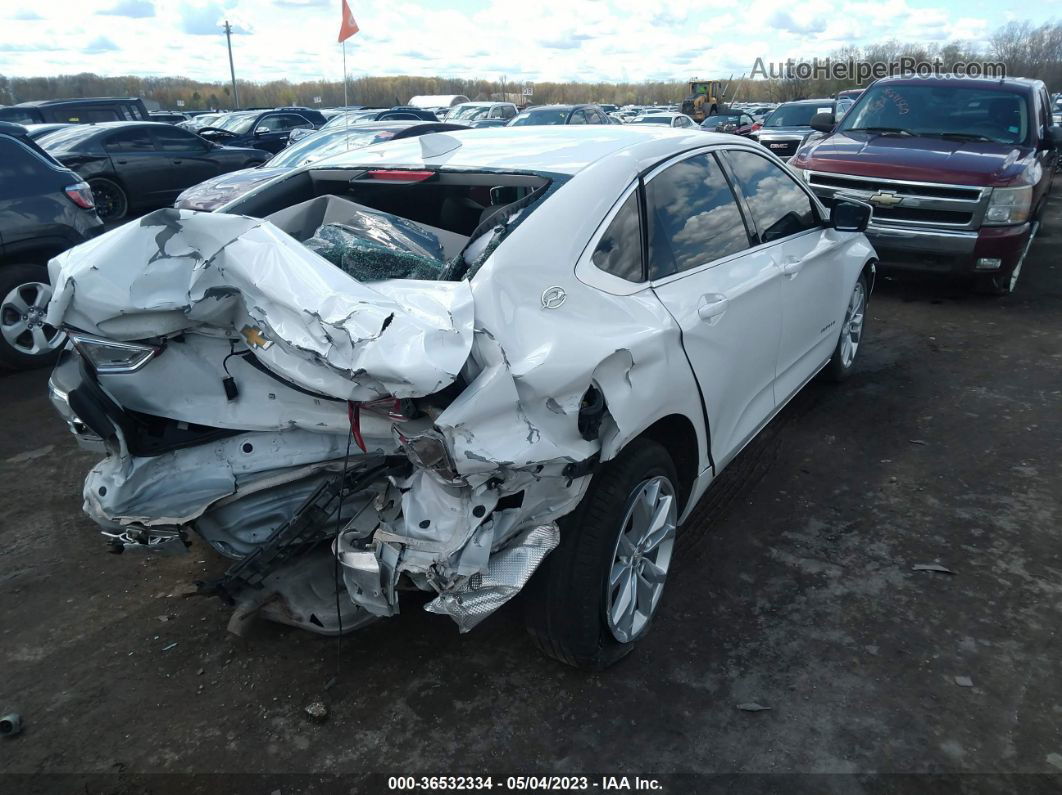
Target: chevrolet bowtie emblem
255	338
885	199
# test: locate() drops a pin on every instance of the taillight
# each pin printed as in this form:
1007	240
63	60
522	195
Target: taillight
81	195
399	175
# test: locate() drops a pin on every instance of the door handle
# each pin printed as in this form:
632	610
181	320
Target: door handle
177	162
792	266
711	306
122	162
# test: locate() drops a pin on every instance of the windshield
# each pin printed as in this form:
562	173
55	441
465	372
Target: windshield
796	115
544	116
945	109
236	123
469	112
653	120
344	119
66	139
327	143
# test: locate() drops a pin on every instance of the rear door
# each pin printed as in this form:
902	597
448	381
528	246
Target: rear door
789	228
140	166
724	293
189	157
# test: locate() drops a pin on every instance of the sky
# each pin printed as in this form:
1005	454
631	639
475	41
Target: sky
520	40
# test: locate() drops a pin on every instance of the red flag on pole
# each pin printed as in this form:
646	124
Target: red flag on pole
349	27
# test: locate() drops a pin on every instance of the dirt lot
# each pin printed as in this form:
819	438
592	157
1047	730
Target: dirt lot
795	590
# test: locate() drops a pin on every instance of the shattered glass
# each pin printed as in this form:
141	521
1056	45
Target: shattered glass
370	260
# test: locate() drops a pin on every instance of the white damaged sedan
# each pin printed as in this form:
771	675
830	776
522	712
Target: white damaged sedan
464	364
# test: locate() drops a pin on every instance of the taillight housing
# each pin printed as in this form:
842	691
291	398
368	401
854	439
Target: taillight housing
756	126
81	195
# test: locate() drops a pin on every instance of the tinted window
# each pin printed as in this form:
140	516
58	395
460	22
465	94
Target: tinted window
779	205
693	217
795	115
16	161
135	140
285	121
578	117
551	116
619	251
174	140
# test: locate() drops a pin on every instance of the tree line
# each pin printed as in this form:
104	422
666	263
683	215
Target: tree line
1025	49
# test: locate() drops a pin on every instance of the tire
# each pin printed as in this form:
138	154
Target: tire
850	340
567	603
25	340
112	203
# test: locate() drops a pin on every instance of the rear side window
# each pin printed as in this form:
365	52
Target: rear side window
16	162
619	251
693	217
779	205
138	140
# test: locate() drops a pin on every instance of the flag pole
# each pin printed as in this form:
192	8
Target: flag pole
345	102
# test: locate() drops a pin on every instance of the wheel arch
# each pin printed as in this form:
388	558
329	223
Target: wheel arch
677	434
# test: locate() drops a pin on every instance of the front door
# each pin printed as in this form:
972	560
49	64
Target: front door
813	287
724	294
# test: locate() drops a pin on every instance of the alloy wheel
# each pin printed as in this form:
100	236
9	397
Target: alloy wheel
641	558
22	320
852	330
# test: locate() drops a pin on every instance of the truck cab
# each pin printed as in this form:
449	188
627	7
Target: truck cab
957	169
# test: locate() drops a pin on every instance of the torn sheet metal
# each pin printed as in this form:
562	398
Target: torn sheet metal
506	573
176	270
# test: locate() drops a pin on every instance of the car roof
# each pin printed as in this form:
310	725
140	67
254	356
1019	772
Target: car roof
40	103
549	149
970	82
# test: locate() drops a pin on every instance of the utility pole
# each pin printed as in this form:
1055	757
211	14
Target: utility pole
232	69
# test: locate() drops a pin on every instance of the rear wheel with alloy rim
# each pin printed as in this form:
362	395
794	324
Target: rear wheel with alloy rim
850	339
596	595
26	340
111	202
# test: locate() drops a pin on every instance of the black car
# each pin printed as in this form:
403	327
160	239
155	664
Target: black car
44	209
86	110
140	165
789	125
35	131
560	114
208	196
267	130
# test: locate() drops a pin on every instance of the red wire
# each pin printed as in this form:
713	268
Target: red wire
354	415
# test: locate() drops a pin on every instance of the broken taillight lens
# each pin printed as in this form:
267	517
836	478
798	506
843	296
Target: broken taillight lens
399	175
392	408
81	195
428	451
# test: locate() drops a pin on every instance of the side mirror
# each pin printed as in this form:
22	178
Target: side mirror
260	131
823	122
847	215
1054	138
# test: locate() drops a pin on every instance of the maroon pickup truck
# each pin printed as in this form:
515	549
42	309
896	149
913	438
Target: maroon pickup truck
957	169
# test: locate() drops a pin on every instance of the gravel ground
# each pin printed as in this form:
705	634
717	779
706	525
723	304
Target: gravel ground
795	588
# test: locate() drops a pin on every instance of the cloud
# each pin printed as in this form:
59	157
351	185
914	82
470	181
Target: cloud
27	16
205	20
565	43
101	44
783	20
134	9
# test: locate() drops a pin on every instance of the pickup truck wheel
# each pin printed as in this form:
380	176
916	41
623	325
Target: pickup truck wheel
850	339
25	339
597	593
111	202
